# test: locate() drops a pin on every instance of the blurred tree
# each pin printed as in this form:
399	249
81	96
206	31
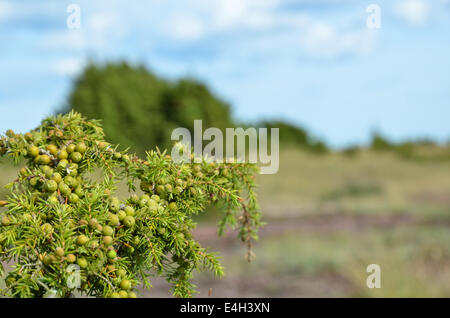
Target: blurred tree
140	109
189	100
379	143
295	136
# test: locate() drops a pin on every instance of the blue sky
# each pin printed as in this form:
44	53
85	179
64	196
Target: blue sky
311	62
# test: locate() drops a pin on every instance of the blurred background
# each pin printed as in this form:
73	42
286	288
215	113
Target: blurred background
363	113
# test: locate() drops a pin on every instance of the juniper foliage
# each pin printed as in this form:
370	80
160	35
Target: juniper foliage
60	213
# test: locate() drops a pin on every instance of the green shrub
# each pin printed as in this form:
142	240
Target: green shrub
379	143
139	109
57	214
292	135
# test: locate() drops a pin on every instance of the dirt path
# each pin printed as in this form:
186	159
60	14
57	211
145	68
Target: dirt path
314	223
325	284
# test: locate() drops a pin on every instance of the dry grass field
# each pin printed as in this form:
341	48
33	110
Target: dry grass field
330	216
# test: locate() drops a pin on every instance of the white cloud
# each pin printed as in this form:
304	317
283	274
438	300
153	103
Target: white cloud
320	39
413	11
101	22
274	30
97	31
103	28
202	18
71	39
230	12
6	10
317	39
255	14
184	27
68	66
